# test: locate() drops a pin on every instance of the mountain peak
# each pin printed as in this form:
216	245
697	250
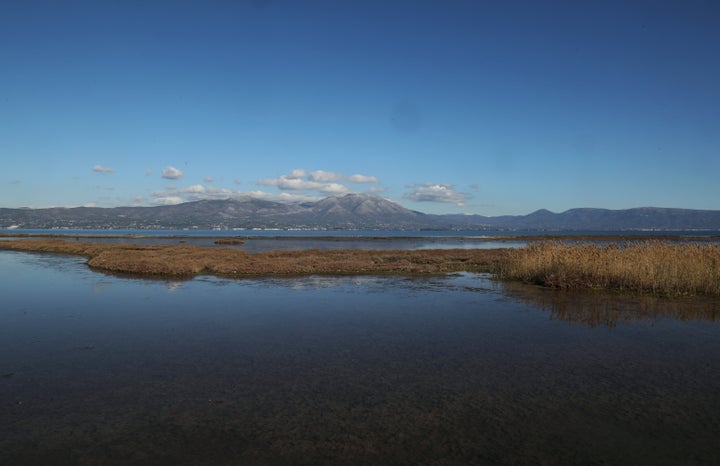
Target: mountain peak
351	211
360	205
542	213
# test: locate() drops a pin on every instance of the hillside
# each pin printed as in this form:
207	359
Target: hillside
348	212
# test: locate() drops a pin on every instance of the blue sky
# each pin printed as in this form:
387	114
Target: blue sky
487	107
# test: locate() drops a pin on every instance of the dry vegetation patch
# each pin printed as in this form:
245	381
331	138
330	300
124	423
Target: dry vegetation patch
229	242
182	260
649	266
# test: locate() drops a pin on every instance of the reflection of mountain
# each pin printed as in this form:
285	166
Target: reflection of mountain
348	212
596	308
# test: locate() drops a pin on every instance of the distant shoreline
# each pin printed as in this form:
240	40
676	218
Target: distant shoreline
540	236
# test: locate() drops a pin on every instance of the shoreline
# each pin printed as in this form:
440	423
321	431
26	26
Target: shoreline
614	237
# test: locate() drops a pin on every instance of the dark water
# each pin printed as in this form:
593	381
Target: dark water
96	369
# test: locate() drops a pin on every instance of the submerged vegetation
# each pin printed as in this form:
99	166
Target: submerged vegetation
645	266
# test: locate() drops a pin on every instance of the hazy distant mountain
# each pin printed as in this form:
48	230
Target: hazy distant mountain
642	218
350	212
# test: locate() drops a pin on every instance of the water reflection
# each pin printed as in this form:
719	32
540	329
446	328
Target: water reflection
599	308
101	286
172	285
453	369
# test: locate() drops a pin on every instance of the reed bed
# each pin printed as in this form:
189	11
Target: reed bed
659	267
648	266
184	260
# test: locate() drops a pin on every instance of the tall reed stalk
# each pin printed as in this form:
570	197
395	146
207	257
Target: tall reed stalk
652	266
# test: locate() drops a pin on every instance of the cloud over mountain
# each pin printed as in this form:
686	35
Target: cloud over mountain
167	200
358	178
197	192
324	177
432	192
321	181
299	185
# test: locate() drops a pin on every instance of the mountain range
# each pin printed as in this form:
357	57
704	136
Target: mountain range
347	212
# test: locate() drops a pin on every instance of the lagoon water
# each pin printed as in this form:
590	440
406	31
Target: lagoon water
458	369
274	240
283	240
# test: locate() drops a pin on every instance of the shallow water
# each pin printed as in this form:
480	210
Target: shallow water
96	369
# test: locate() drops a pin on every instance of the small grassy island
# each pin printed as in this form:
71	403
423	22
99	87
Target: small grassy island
186	260
660	267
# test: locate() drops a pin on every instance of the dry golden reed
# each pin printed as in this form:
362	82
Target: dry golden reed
185	260
648	266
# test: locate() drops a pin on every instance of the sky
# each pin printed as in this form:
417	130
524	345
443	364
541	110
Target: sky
477	107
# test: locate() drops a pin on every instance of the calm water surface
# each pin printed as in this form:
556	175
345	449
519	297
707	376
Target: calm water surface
278	240
98	369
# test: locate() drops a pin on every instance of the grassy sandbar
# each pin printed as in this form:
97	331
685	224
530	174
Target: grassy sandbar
184	260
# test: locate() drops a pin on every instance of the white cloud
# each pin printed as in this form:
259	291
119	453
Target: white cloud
208	192
319	180
101	169
335	188
196	192
168	200
281	197
172	173
298	186
431	192
286	183
208	179
358	178
297	173
322	176
196	188
148	172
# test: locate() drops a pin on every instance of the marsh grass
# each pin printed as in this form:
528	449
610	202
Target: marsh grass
229	242
647	266
659	267
185	260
